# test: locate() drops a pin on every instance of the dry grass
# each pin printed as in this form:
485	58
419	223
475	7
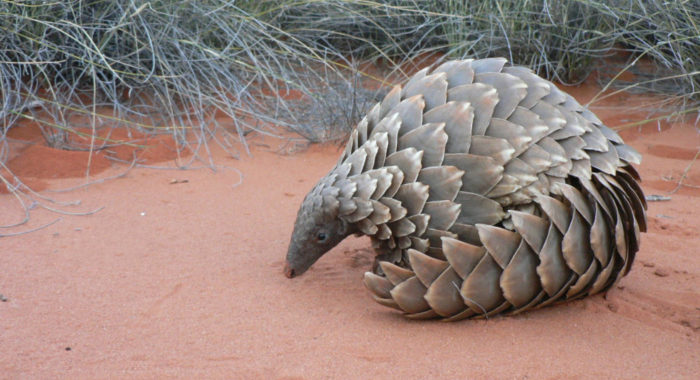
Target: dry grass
170	66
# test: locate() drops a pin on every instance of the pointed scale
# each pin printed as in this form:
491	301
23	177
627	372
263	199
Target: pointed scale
537	88
390	101
458	118
408	161
442	214
410	113
427	269
483	99
462	256
409	296
396	210
576	248
433	89
383	180
382	142
519	280
552	269
443	181
458	72
421	222
488	65
511	90
600	237
481	173
535	126
532	228
499	242
430	139
477	209
394	273
497	148
515	134
378	285
481	290
443	294
412	197
584	281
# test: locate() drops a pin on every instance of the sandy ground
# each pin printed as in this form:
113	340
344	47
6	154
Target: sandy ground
180	276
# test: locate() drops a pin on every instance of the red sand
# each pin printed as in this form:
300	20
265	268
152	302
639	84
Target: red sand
185	280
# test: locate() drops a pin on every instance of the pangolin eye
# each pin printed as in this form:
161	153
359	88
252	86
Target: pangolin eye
321	237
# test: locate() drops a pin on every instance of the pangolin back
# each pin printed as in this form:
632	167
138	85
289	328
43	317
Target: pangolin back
485	189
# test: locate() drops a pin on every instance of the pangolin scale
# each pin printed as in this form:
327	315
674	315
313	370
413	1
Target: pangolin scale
484	190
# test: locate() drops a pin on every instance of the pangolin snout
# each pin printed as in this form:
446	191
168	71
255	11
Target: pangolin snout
288	270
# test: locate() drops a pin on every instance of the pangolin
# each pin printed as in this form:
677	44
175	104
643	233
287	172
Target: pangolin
484	189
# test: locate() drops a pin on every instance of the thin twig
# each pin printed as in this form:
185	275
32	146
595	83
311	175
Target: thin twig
30	230
685	173
84	213
94	182
486	315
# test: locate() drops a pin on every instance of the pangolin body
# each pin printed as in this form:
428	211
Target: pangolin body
484	189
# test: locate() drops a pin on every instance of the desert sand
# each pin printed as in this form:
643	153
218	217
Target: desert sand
179	275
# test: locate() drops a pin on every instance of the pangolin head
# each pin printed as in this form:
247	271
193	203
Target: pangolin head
316	230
